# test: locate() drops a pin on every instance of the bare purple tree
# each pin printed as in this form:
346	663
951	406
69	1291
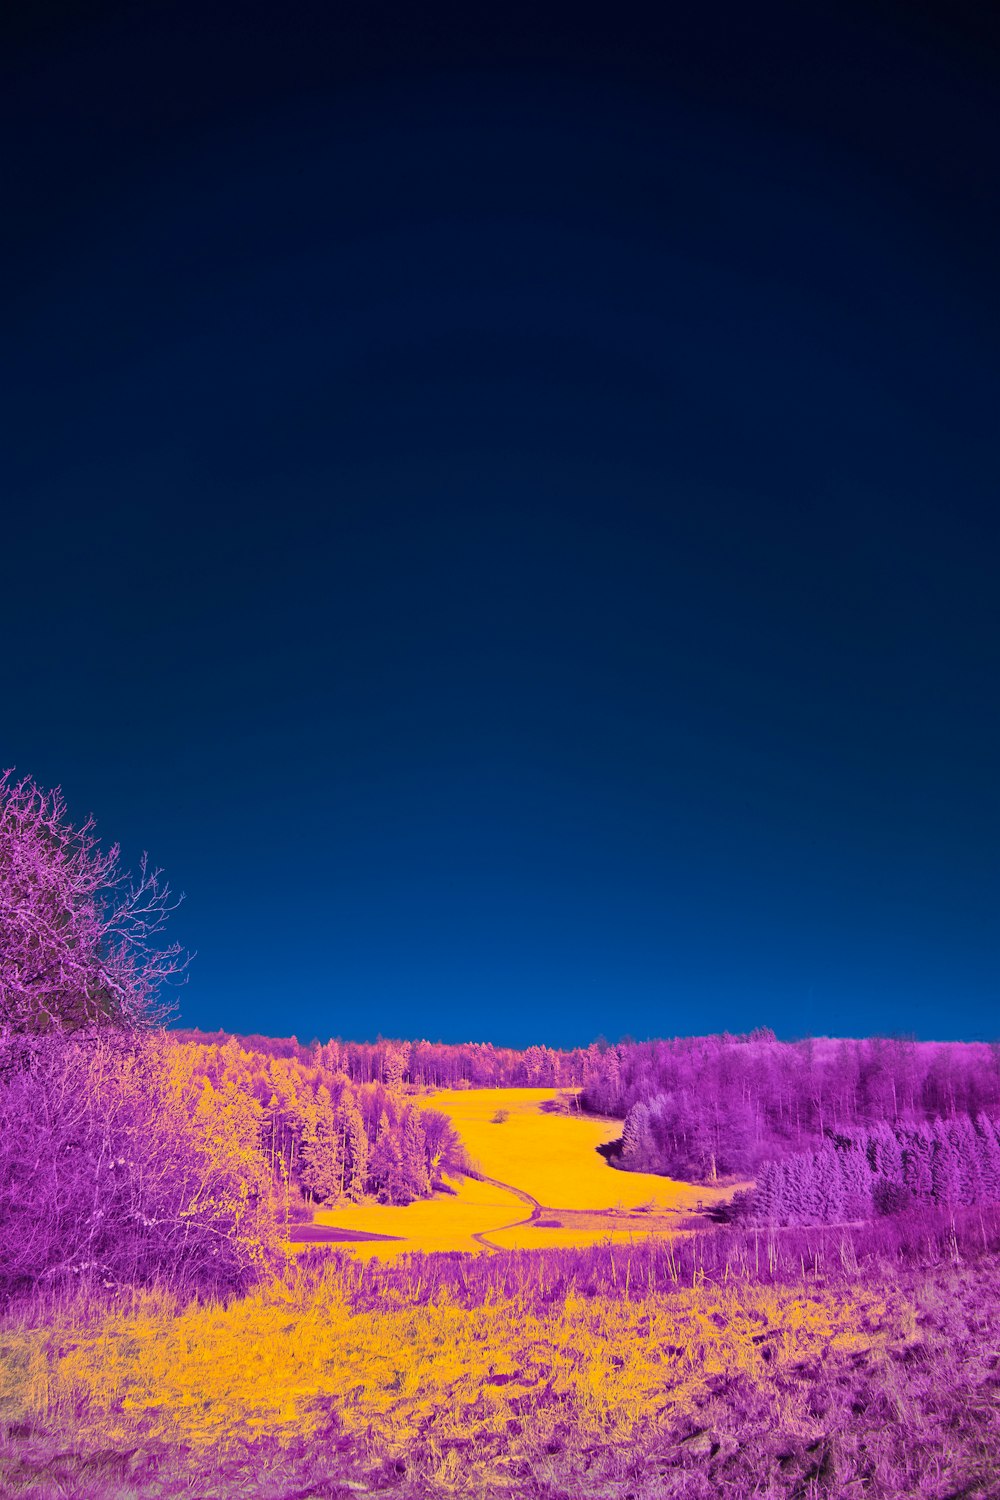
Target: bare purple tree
79	938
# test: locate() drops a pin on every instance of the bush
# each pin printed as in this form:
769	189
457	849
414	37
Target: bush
110	1171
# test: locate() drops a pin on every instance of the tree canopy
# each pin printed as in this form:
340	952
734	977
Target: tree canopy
79	937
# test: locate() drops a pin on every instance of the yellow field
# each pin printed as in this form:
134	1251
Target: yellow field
551	1156
439	1223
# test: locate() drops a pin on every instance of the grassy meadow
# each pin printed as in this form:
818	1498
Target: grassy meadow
581	1374
445	1222
548	1151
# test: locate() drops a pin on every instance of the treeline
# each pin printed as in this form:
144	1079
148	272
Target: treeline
423	1064
318	1130
945	1163
705	1107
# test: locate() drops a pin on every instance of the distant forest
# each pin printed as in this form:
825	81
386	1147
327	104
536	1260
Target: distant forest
438	1065
696	1108
706	1107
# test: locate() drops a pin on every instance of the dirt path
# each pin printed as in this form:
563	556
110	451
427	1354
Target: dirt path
671	1221
536	1209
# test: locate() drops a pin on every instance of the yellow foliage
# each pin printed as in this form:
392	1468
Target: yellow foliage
281	1363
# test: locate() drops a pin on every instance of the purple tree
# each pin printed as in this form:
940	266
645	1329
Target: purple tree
918	1162
945	1176
78	937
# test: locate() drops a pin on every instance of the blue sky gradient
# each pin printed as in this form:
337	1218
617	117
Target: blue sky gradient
508	520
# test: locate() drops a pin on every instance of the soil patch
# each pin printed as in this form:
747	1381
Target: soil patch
323	1234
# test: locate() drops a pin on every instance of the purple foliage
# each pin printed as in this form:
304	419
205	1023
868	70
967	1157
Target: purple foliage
108	1173
109	1170
77	936
705	1107
883	1170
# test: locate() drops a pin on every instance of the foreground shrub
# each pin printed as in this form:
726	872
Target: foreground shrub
108	1173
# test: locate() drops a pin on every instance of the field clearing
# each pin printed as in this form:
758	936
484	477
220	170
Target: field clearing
543	1151
554	1156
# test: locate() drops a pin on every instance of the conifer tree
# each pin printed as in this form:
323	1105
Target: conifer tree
856	1182
803	1200
962	1134
829	1187
988	1151
636	1137
918	1158
945	1184
771	1197
354	1148
884	1153
415	1155
322	1169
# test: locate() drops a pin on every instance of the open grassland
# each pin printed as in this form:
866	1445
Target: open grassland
584	1378
548	1154
553	1155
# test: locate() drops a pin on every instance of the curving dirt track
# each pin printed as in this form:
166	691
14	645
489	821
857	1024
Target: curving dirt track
536	1209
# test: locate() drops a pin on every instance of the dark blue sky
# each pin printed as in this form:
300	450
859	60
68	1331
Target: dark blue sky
505	510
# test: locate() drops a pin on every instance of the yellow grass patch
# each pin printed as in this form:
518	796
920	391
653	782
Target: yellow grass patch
554	1157
410	1379
549	1155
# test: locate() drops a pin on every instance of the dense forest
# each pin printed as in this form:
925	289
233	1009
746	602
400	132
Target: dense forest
699	1108
317	1129
438	1065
